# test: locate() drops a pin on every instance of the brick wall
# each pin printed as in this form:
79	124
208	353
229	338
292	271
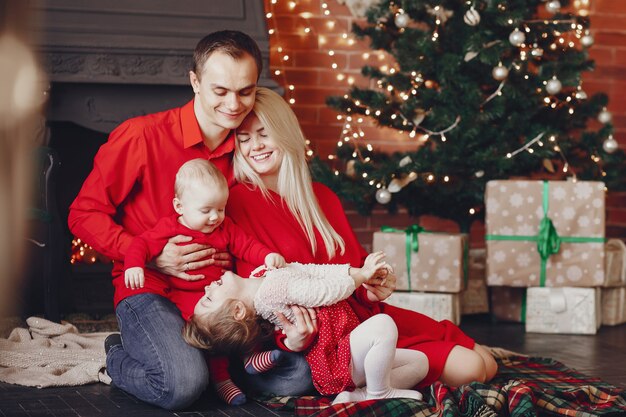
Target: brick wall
309	70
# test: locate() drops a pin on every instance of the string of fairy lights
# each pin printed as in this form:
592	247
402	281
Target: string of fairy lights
551	94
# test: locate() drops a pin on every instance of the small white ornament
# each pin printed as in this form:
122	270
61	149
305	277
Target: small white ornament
553	86
405	161
479	174
472	17
517	37
401	20
500	72
587	40
605	116
383	196
537	52
580	94
610	145
553	6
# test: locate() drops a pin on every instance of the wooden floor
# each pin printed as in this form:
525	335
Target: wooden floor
602	355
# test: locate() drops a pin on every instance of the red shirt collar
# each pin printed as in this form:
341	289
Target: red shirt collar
192	135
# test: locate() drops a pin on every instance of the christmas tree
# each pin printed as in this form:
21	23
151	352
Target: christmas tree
485	89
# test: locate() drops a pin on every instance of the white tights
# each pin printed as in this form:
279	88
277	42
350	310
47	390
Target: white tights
379	369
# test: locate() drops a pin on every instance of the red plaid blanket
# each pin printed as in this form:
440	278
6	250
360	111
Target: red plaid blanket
523	387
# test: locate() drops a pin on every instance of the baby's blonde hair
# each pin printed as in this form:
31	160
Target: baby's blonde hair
198	171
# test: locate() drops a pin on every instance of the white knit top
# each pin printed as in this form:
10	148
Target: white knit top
307	285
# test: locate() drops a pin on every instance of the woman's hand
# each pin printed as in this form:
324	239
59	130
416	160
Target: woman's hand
179	260
303	332
380	288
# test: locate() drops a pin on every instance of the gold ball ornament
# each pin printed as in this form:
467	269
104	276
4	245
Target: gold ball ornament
605	116
500	72
553	6
554	86
517	37
472	17
610	145
383	196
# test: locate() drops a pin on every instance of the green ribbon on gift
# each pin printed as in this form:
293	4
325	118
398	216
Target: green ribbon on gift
548	240
412	245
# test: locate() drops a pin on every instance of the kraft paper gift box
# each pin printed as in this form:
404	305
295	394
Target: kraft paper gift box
438	306
613	306
423	260
563	310
615	265
475	297
508	303
545	233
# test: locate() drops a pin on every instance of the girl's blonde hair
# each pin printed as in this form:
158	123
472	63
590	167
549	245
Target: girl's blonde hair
198	170
221	333
294	178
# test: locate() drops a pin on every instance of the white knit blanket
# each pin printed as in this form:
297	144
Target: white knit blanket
49	354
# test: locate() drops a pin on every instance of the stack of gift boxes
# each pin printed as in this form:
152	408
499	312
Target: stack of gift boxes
431	269
547	260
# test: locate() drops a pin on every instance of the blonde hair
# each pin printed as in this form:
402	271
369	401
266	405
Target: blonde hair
198	170
221	333
294	178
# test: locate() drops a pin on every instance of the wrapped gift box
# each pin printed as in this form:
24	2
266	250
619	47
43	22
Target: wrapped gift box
545	233
613	306
435	305
563	310
475	297
436	260
615	265
508	303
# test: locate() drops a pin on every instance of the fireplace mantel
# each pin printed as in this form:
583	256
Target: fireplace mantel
108	61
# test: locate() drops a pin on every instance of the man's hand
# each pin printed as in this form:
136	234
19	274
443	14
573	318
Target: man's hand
303	332
178	260
380	288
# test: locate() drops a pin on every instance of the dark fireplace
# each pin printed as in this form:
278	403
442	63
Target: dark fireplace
107	62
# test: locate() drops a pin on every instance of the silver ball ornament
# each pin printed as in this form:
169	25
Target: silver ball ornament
610	145
537	52
517	37
553	86
383	196
580	94
500	72
605	116
479	174
587	41
401	20
472	17
553	6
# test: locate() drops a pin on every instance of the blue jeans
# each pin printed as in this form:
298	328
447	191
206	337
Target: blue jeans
155	364
158	367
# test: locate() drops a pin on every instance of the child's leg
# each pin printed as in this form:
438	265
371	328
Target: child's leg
260	362
464	366
225	388
409	368
373	350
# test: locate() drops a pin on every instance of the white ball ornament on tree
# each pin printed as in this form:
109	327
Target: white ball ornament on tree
383	196
553	86
401	19
553	6
472	17
500	72
517	37
605	116
610	145
580	94
587	40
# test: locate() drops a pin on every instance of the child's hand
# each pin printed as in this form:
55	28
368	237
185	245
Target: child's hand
133	278
274	261
375	266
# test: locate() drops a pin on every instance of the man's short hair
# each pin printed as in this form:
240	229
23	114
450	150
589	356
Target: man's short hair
231	42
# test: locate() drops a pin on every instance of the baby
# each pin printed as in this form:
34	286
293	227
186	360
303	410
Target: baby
346	354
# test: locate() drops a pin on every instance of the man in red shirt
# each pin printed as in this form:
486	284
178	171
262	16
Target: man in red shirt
127	192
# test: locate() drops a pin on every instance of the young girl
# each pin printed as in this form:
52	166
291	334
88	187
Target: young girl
345	355
307	223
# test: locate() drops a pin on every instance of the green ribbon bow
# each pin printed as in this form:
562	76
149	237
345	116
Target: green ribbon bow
548	240
412	245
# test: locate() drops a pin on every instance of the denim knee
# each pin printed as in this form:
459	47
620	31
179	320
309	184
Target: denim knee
185	387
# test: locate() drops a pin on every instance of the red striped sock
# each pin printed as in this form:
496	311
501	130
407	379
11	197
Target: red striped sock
230	393
262	361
